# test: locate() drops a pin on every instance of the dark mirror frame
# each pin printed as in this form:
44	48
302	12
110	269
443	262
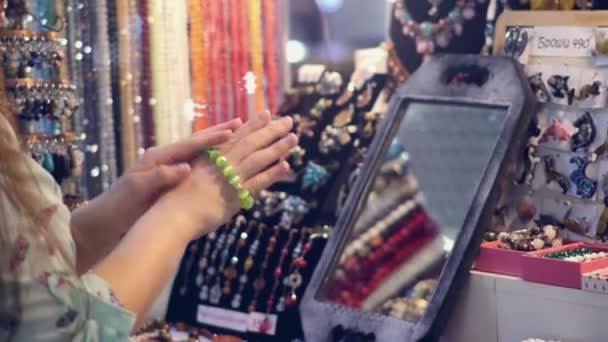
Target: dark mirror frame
506	85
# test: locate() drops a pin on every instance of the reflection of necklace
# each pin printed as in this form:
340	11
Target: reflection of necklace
428	33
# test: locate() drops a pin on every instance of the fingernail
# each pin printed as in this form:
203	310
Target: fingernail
287	120
183	169
292	139
262	116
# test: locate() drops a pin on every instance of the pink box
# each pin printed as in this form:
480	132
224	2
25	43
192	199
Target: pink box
498	260
537	269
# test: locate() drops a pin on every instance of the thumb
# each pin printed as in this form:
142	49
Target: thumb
162	177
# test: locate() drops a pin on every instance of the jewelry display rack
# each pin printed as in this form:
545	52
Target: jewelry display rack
38	93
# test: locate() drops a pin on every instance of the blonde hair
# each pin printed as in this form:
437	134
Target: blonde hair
18	186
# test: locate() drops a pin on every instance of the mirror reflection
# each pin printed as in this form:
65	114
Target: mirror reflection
420	194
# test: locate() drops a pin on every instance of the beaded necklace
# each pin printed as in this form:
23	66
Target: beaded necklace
127	127
259	283
247	266
429	33
135	77
278	271
270	41
257	52
104	89
198	59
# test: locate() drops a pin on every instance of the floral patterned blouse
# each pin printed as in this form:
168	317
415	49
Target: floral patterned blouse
56	304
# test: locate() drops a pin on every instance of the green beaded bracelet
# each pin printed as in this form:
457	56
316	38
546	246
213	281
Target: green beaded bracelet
233	179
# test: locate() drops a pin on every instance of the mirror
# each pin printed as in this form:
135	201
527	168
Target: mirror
447	150
414	208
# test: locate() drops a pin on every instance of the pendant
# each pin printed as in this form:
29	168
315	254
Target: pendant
314	177
215	294
281	304
602	226
574	225
553	176
346	96
516	41
330	83
601	44
365	98
556	132
236	301
530	163
585	134
204	294
585	186
559	87
345	117
304	126
589	90
604	186
294	209
320	107
199	279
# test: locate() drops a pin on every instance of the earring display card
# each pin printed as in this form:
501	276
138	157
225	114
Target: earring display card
565	180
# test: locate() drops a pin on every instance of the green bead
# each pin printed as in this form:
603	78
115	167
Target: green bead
243	193
228	172
235	181
247	203
426	28
454	15
213	155
221	162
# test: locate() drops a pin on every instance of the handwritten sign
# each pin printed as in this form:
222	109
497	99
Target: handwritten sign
561	41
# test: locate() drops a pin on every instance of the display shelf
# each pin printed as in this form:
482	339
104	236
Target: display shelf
29	34
37	82
506	309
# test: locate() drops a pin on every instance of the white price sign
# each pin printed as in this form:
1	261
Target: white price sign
562	41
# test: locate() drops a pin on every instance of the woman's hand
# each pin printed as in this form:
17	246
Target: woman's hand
139	267
205	200
98	226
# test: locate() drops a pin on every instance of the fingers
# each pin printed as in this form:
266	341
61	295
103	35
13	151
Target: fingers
260	160
231	125
260	121
159	178
185	150
267	178
260	139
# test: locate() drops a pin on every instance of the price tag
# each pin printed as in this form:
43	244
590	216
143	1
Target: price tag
227	319
562	41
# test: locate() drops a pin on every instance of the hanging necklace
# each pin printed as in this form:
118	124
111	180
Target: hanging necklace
259	283
278	271
429	33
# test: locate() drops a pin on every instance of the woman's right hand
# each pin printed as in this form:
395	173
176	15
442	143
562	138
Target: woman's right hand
205	200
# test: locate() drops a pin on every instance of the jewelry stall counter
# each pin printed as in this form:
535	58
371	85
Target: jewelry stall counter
500	308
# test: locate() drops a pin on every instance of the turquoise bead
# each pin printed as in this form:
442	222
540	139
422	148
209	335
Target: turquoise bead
426	28
455	15
47	162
